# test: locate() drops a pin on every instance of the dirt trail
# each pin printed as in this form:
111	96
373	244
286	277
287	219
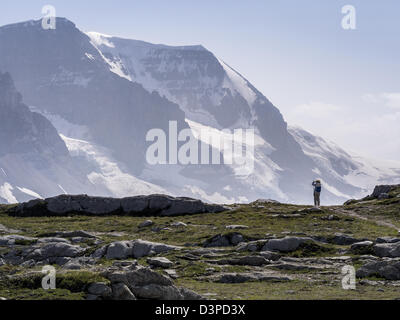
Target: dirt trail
354	214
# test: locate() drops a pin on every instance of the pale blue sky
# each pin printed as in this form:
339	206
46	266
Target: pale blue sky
341	84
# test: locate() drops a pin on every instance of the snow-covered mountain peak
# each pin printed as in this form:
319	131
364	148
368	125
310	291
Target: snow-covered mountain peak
104	94
191	76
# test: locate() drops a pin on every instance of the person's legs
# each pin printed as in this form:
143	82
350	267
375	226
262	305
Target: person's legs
315	198
318	199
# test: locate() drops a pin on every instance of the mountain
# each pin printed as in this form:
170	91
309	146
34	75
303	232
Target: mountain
214	95
103	94
341	166
34	160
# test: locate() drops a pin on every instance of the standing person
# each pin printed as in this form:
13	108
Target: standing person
317	192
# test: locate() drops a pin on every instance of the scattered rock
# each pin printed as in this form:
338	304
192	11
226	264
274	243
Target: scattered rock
286	244
146	223
143	248
236	227
99	289
120	291
10	240
251	246
364	247
147	284
56	250
179	224
53	239
387	240
78	263
264	201
388	269
136	249
331	217
160	262
343	239
4	229
387	249
269	255
100	252
309	210
230	239
171	273
119	250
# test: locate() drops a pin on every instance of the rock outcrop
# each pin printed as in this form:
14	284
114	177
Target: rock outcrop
154	205
388	269
383	190
135	249
143	283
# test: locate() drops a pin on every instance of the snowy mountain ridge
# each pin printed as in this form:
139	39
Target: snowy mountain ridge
103	94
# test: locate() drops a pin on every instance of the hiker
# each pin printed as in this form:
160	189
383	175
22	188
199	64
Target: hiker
317	192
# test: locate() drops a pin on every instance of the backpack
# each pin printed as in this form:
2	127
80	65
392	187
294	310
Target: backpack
318	187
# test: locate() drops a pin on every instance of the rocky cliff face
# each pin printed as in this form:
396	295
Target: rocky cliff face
23	131
34	160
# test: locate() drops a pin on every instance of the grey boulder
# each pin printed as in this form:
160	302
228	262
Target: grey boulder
136	249
286	244
119	250
387	249
120	291
160	262
54	250
99	289
388	269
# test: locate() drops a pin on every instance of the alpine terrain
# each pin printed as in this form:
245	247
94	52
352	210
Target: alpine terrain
93	99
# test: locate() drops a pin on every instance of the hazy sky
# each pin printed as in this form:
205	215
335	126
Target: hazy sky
343	85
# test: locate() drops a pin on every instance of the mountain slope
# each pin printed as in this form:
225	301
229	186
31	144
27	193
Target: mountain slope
338	165
34	160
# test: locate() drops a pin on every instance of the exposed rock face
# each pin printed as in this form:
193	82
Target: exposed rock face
10	240
143	283
286	244
387	240
344	239
383	189
160	262
136	249
122	292
388	269
161	205
99	289
387	249
230	239
364	247
55	250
